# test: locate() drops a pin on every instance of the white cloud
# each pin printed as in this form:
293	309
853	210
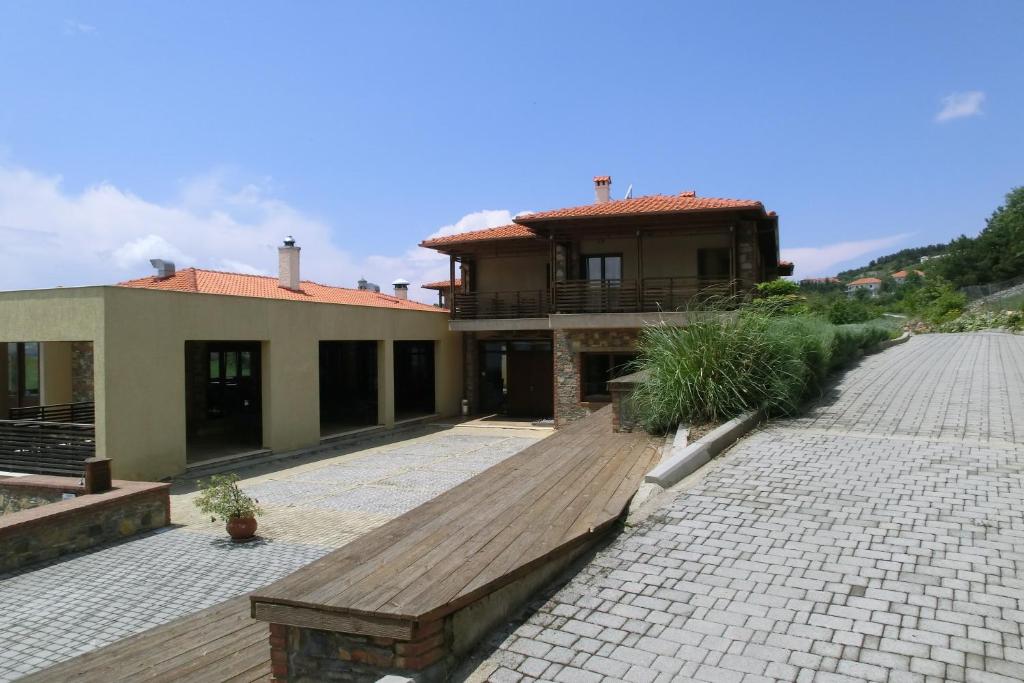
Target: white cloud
960	105
72	27
817	261
104	234
478	220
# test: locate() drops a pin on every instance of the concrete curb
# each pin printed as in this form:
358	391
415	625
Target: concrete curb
889	343
684	461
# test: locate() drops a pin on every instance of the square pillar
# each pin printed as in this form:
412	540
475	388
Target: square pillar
386	382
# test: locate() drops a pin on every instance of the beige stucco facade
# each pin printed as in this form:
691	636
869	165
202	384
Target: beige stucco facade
139	337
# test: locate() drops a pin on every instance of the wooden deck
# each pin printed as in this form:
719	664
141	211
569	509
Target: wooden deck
465	544
221	643
473	539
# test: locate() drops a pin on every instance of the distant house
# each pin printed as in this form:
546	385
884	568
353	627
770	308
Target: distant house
901	276
872	285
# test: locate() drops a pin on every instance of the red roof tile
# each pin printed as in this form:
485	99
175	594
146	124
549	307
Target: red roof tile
902	274
442	284
650	204
866	281
265	287
502	232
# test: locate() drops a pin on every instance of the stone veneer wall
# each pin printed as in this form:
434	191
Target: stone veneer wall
306	654
64	526
81	372
747	255
568	345
471	371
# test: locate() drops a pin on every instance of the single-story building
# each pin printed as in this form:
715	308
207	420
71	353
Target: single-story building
871	285
900	276
186	366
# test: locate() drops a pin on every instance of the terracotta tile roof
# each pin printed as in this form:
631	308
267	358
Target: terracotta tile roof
650	204
442	284
266	287
866	281
902	274
502	232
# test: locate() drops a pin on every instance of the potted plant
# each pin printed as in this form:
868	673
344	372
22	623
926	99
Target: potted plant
221	497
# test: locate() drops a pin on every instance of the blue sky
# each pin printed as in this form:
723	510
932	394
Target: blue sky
205	131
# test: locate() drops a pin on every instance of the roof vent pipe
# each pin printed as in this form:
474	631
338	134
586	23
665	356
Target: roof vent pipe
401	289
164	269
288	265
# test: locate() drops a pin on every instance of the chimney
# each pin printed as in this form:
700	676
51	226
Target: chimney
603	188
164	269
366	286
401	289
288	265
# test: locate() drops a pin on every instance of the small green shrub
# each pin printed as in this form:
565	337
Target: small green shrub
221	497
846	311
975	321
778	287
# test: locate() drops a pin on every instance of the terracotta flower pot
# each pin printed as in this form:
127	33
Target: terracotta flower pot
241	528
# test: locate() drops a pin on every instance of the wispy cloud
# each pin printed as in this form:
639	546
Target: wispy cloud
813	261
105	234
960	105
74	28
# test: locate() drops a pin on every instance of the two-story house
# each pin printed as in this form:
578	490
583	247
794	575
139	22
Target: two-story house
550	306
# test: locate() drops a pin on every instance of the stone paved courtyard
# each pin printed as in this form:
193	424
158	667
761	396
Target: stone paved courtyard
56	611
880	538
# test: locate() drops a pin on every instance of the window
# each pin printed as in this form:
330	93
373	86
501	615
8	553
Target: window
597	369
714	264
602	267
23	374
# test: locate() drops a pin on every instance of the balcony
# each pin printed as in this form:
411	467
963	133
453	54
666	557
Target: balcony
494	305
590	296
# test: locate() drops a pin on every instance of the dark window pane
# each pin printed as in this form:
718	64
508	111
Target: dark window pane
246	360
613	268
214	365
231	365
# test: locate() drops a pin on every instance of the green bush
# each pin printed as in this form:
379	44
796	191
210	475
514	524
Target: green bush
721	365
984	320
846	310
936	301
778	287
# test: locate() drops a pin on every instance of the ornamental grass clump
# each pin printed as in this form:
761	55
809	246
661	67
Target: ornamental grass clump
726	362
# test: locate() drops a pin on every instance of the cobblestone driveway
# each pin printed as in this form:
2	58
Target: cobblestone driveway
879	538
56	611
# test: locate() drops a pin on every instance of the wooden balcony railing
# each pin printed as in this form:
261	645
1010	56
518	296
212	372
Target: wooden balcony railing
78	413
596	296
678	293
592	296
35	447
531	303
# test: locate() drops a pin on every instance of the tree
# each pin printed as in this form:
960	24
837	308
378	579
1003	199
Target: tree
996	254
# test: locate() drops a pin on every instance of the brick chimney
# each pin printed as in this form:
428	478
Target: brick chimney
602	188
288	265
401	289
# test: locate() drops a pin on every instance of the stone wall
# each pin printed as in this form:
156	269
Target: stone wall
568	345
48	531
471	371
81	372
16	499
747	255
310	655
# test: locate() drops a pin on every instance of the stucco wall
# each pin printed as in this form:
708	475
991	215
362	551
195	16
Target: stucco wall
139	360
512	273
676	255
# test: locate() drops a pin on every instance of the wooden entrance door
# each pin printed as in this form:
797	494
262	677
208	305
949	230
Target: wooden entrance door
530	379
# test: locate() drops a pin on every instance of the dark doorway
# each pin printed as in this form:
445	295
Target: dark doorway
517	378
223	394
414	379
22	375
597	370
348	385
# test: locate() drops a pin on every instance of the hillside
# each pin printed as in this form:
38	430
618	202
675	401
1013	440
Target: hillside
890	263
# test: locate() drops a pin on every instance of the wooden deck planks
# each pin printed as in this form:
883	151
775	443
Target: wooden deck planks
217	644
482	534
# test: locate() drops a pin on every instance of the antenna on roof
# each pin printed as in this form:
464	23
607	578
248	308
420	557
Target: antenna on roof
629	192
